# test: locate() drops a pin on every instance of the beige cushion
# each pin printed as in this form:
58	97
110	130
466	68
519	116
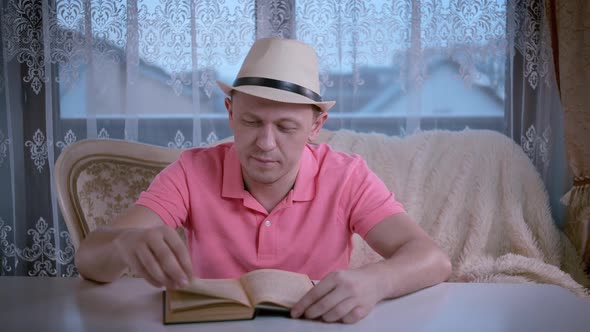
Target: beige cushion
106	188
97	179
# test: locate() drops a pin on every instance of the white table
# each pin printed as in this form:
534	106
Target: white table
72	304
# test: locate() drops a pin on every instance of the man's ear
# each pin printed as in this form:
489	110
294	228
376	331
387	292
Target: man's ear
230	113
318	123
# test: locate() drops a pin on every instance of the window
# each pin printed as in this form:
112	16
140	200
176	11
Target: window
392	66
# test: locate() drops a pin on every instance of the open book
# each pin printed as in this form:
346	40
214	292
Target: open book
234	299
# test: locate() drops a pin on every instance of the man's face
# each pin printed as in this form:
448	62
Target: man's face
269	136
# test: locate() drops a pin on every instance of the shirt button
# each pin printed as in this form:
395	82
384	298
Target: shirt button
267	223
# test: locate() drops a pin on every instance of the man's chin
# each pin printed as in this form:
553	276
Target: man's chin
264	180
263	176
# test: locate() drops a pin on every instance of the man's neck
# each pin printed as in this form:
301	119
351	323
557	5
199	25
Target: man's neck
270	195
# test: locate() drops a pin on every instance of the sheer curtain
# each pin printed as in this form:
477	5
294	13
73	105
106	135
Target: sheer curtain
571	45
145	70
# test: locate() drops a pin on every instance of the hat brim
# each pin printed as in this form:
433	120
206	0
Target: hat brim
275	94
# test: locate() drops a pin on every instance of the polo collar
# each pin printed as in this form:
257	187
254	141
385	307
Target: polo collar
305	183
233	183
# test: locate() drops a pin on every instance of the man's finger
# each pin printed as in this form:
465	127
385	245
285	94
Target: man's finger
355	315
151	266
324	287
326	303
181	252
168	263
137	269
340	310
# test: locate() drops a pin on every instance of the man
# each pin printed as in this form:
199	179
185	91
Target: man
271	200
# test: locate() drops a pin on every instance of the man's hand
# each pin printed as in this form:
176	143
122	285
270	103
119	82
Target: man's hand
346	296
156	254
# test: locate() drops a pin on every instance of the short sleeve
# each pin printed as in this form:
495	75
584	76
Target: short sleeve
366	200
168	195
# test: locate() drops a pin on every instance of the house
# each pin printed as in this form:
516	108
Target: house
381	102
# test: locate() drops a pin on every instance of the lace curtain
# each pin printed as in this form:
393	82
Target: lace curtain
145	70
571	43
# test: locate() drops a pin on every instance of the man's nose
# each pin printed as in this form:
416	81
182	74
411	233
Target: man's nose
266	139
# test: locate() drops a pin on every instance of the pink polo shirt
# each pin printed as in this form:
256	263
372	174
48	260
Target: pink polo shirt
309	231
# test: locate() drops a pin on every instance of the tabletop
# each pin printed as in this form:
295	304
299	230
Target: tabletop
129	304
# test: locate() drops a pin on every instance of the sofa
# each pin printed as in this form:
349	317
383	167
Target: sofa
474	192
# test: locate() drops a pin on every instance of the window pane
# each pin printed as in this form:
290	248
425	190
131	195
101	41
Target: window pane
386	63
390	60
146	66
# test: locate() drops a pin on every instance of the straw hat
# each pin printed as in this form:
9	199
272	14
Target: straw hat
283	70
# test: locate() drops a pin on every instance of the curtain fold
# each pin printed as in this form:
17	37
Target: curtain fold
571	38
145	70
534	116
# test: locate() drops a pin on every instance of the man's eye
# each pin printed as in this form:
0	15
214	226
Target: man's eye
250	123
287	129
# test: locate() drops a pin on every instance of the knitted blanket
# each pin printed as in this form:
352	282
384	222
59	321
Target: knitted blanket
479	197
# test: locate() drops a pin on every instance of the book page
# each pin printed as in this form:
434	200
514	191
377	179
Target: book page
275	286
212	310
230	289
180	300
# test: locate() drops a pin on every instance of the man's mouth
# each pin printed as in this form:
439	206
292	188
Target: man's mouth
264	160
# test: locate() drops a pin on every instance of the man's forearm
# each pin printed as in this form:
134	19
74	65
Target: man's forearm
349	295
97	258
416	265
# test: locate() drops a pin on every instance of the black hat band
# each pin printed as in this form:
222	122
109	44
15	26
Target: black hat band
277	84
